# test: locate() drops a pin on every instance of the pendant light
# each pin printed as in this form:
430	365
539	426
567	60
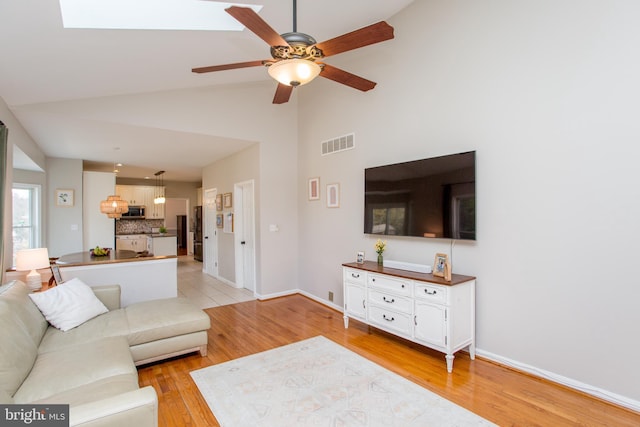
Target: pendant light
114	206
159	199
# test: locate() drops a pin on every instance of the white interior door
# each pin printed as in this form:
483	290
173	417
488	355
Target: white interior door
210	233
244	238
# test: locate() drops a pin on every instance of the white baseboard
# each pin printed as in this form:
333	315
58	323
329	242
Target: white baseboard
568	382
321	301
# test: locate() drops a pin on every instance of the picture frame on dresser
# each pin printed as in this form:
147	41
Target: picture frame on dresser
360	257
439	265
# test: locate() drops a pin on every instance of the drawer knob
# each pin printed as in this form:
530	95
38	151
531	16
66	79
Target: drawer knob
388	319
390	301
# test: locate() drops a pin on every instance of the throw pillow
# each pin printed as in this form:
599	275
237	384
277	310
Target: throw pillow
69	304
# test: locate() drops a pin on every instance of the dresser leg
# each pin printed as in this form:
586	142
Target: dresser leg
346	321
449	358
472	351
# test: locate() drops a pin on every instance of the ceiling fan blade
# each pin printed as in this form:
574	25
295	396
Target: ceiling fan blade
374	33
250	19
227	66
346	78
283	93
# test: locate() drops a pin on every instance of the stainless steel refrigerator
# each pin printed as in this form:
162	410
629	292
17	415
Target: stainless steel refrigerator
197	233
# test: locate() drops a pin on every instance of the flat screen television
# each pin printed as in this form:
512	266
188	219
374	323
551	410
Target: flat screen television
434	197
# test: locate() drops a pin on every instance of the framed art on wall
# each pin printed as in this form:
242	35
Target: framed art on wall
64	197
227	197
219	202
314	188
219	220
333	195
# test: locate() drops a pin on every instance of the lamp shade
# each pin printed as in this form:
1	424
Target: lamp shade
114	206
294	72
30	260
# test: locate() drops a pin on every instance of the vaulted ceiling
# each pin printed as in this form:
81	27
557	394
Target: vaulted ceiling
48	73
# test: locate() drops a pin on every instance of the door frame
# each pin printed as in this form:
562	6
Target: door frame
244	217
209	232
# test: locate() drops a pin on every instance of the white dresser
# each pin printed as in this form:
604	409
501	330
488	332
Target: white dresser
417	306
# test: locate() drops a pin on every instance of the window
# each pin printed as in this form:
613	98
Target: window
389	219
26	217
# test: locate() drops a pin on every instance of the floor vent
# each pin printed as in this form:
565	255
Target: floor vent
341	143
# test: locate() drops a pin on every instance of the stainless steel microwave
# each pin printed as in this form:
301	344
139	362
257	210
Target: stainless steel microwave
135	212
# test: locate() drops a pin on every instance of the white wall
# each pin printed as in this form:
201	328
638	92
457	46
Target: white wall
546	92
98	229
65	223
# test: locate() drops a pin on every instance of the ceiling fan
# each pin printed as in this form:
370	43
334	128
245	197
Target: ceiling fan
295	55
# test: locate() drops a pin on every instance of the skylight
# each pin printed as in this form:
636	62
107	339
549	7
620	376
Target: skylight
150	14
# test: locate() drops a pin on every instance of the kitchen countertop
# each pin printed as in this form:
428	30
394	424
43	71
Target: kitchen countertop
85	258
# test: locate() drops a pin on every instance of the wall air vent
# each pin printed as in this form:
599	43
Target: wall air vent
341	143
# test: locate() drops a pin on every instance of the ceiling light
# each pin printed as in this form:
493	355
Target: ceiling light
294	72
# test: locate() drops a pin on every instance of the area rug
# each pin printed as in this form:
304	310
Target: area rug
317	382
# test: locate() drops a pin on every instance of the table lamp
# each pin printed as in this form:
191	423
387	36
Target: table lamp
32	259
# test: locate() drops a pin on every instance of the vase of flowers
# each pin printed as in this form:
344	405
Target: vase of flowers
379	247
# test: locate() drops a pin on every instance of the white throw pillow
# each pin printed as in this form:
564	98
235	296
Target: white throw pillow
69	304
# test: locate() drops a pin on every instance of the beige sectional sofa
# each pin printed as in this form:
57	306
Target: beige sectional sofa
92	367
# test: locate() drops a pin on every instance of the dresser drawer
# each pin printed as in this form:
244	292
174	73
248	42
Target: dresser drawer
431	293
354	276
389	319
385	283
393	302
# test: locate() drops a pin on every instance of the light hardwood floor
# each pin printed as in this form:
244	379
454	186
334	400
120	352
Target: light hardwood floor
499	394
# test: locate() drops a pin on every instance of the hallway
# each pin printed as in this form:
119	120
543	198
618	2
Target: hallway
203	290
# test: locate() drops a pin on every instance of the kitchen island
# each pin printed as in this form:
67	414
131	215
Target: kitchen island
140	278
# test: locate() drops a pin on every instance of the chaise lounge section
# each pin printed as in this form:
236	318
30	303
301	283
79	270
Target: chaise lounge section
92	367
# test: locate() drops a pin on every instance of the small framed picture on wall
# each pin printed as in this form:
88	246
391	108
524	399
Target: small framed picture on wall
219	202
219	220
64	198
333	195
228	201
314	188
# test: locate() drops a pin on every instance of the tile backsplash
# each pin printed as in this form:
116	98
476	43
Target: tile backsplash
131	226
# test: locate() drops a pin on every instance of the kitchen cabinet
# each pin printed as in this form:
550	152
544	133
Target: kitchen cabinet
133	194
143	195
132	242
416	306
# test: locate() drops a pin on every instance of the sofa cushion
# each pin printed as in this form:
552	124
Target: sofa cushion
163	318
69	304
81	373
17	351
111	324
16	293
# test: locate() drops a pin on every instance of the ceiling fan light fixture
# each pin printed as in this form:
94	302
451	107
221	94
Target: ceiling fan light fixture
294	72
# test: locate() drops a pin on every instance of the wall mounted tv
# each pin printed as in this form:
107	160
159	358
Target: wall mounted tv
433	197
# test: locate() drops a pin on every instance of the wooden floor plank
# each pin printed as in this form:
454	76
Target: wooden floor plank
497	393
